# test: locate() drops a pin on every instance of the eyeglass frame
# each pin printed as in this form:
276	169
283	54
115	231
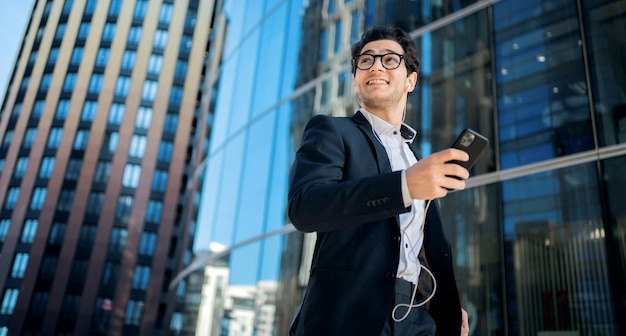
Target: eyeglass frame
356	65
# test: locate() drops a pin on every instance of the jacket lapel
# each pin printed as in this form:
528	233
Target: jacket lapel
384	166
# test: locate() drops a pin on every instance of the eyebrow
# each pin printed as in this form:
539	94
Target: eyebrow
371	51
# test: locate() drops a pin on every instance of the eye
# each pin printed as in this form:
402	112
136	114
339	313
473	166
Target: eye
391	59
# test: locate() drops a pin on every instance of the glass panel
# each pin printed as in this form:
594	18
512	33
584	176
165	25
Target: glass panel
543	108
554	246
454	88
606	45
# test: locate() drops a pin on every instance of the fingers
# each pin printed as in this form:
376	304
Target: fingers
434	176
464	323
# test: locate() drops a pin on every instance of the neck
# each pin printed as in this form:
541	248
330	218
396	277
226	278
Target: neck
395	117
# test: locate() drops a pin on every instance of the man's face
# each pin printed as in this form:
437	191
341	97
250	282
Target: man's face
379	87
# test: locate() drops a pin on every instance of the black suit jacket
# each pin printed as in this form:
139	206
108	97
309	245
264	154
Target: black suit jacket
342	187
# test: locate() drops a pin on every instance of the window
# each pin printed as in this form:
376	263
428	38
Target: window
153	211
124	207
110	273
73	169
95	84
338	31
149	91
118	239
83	31
67	7
181	70
89	110
53	56
20	167
94	203
102	58
114	10
48	267
155	64
19	265
70	82
11	198
147	243
66	200
140	9
38	108
87	236
57	232
29	230
134	35
9	300
160	39
103	170
128	60
185	45
29	138
137	147
159	180
134	311
109	31
90	7
8	137
122	86
141	277
45	83
62	109
70	305
176	96
109	144
82	137
165	15
39	196
144	117
17	109
54	139
40	301
47	165
165	151
77	56
60	33
132	173
116	114
4	228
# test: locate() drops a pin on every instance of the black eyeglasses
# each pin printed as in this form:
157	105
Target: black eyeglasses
389	61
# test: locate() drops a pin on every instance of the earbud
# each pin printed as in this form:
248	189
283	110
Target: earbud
408	86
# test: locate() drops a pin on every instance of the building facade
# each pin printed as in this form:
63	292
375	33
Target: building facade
99	133
538	235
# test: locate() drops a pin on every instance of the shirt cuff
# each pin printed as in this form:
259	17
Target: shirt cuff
406	195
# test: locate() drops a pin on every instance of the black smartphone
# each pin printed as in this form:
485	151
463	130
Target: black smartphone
472	143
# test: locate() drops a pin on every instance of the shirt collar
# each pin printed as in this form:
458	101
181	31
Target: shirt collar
381	127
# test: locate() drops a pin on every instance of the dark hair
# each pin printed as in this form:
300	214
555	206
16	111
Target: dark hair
389	32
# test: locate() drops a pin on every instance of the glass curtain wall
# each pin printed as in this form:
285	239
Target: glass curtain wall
538	237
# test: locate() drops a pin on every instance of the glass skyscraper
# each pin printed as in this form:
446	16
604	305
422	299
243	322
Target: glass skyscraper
538	236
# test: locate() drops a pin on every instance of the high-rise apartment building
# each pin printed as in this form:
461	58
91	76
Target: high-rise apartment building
100	135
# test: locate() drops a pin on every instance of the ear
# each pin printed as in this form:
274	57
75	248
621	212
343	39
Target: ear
411	81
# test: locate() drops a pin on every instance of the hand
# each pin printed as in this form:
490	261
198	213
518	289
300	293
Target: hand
464	323
432	176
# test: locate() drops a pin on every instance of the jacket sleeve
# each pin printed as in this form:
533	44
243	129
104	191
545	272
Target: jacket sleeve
335	183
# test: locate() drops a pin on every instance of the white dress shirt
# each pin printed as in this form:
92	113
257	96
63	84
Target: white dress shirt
396	143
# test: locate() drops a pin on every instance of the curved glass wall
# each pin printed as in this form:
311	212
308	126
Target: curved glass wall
538	236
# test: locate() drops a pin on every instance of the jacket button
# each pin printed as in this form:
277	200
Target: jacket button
396	238
390	275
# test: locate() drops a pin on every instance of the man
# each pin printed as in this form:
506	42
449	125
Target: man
360	184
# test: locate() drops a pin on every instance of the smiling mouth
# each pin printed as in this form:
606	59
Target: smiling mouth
376	81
